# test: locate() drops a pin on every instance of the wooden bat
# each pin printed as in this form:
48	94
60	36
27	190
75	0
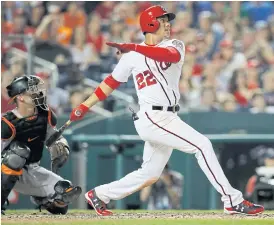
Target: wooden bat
57	134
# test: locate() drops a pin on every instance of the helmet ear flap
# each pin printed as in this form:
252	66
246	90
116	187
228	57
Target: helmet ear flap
152	25
156	25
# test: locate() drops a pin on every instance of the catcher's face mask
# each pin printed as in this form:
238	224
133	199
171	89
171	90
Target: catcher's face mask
36	89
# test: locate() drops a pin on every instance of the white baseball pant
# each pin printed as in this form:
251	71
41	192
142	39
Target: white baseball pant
162	132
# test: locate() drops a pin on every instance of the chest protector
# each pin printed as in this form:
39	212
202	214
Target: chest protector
31	131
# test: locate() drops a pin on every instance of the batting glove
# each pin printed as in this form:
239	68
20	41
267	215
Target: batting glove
79	112
123	48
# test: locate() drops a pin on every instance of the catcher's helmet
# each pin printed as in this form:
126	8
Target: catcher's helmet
148	18
32	85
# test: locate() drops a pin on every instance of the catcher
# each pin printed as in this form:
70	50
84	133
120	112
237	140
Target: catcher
24	131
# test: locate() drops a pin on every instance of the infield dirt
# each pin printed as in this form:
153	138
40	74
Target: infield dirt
135	217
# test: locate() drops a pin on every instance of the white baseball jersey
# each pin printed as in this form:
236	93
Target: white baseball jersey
156	83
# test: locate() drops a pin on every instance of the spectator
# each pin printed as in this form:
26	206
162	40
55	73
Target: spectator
116	31
16	66
261	47
230	29
71	77
229	104
182	29
190	95
105	9
253	74
142	5
209	76
120	12
205	27
247	43
51	27
18	26
94	34
262	31
258	10
202	48
238	87
75	99
74	16
9	11
170	6
132	16
268	87
191	65
261	180
83	54
230	61
16	69
208	101
258	104
219	11
37	12
166	193
199	7
57	98
262	43
271	30
6	79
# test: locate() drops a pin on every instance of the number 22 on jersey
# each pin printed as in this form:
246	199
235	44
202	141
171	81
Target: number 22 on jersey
145	79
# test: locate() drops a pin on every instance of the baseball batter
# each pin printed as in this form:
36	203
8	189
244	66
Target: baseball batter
156	66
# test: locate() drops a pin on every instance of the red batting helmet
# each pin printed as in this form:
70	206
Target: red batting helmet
148	18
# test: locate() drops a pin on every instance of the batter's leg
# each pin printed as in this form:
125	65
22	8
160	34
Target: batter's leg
155	157
174	132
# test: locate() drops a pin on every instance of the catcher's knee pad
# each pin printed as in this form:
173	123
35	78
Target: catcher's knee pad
13	160
15	157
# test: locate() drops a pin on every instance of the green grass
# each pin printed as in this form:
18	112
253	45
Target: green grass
140	217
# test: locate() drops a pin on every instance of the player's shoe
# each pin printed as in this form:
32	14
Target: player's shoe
3	211
246	208
98	205
3	208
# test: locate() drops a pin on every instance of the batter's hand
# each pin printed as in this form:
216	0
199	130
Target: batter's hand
79	112
123	48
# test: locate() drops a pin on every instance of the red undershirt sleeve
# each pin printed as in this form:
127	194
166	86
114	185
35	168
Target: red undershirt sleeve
168	54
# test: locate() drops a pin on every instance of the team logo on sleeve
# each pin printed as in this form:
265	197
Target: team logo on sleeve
165	65
178	44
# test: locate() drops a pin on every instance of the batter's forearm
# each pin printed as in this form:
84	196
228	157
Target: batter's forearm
93	99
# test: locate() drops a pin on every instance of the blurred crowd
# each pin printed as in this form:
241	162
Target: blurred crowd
229	61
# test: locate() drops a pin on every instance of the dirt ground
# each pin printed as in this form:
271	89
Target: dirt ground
130	215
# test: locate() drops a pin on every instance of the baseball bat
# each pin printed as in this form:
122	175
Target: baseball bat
57	134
